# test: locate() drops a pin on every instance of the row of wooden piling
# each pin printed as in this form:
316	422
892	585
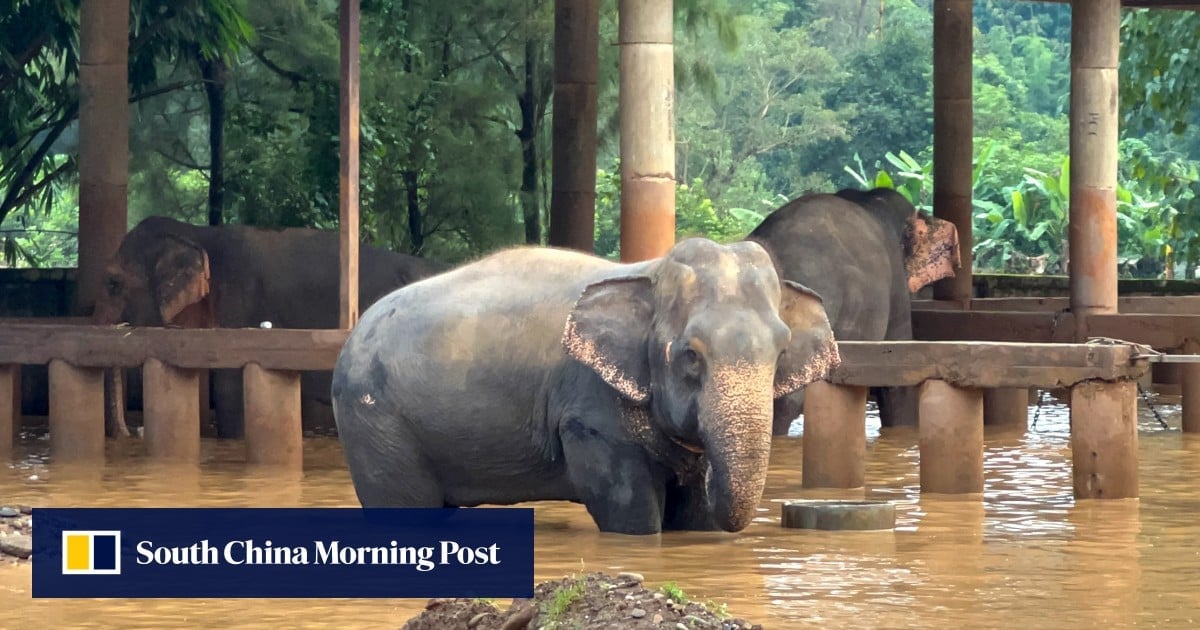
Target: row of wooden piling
1103	436
171	412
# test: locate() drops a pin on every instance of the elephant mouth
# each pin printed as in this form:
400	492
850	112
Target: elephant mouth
695	448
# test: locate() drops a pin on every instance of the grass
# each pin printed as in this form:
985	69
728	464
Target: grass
720	609
674	593
564	596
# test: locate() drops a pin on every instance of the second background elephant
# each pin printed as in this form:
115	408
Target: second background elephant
167	272
865	253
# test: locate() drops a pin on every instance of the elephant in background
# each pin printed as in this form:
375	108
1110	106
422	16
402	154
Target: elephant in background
865	253
170	273
643	391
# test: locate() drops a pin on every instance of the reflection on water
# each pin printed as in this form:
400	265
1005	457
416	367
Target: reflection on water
1024	555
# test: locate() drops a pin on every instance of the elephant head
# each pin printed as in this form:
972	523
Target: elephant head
931	250
706	338
156	278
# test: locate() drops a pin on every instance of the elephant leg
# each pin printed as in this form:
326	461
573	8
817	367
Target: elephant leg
316	407
386	467
613	480
787	409
687	509
228	404
898	406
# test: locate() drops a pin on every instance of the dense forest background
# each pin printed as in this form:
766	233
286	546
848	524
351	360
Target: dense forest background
235	120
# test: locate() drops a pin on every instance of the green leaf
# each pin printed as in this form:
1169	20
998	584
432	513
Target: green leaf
1018	202
883	180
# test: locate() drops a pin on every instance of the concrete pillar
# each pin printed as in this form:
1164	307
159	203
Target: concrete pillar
1104	440
103	140
953	133
951	438
76	412
171	411
573	163
10	407
274	433
1190	381
1006	407
647	110
1095	51
835	436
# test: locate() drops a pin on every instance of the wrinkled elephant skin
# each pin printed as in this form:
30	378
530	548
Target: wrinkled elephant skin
865	253
167	272
643	391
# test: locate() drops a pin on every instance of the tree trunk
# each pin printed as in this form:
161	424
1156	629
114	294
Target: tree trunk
573	152
528	135
103	140
416	231
214	72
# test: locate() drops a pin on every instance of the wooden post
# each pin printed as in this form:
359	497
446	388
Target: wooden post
953	130
951	442
103	140
10	407
76	412
274	433
348	150
576	70
1095	50
1006	407
835	436
1104	440
647	113
171	411
1190	380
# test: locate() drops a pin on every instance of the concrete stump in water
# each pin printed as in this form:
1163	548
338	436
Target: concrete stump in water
839	515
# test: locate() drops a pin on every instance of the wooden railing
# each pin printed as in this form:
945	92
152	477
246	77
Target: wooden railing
952	377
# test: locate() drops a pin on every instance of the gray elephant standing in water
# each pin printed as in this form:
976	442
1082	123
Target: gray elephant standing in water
167	272
866	253
643	391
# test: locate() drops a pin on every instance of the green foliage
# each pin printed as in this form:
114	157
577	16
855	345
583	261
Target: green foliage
674	593
1160	65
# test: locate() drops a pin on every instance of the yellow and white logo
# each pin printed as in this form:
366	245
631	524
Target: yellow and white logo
89	552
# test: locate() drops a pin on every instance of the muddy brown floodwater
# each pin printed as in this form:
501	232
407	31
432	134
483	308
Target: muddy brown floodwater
1026	555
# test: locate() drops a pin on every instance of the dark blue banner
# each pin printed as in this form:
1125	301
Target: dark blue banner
282	552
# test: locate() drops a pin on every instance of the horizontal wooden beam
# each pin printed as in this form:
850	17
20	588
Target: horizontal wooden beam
1151	304
1159	331
117	346
984	364
863	363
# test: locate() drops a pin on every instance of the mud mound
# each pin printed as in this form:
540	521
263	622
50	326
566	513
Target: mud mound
590	601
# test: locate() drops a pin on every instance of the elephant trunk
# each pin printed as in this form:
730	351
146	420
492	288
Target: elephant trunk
735	426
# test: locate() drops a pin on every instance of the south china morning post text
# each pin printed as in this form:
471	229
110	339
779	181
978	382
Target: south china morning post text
240	552
283	552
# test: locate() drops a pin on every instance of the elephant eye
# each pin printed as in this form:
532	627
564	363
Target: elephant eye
114	286
692	363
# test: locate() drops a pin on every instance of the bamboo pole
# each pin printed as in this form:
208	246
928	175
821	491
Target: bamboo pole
953	129
103	140
576	71
647	109
348	149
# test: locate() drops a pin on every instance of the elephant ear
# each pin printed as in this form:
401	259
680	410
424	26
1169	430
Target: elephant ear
607	330
931	250
812	353
180	277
